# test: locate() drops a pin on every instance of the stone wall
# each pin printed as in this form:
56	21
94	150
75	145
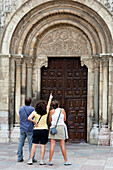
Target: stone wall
4	99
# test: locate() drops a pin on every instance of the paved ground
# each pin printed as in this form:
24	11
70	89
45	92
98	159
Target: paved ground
82	156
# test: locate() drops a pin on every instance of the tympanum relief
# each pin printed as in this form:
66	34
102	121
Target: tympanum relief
64	41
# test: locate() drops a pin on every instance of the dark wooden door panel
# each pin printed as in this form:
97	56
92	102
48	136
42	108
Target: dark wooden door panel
67	80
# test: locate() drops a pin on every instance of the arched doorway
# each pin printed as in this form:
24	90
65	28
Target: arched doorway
40	33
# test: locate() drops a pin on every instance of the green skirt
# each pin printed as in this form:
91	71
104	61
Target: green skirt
60	133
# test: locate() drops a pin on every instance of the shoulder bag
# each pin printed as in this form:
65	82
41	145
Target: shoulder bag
53	130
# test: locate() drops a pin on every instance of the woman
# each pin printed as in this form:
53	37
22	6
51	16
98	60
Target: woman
54	113
40	132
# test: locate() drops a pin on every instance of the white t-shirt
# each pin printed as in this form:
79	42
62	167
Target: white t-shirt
55	117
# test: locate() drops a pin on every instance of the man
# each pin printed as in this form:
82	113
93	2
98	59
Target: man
26	128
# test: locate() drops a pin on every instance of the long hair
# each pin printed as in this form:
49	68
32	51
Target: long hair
40	107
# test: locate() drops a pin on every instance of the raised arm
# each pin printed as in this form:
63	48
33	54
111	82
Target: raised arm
49	102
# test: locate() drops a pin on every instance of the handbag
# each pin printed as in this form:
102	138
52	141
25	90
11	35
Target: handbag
53	130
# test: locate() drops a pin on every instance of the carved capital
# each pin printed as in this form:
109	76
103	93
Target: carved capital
29	62
87	60
42	60
96	61
104	60
18	61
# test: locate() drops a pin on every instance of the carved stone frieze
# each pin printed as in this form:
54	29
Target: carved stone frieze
64	41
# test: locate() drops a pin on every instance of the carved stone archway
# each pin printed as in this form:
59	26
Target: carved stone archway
70	28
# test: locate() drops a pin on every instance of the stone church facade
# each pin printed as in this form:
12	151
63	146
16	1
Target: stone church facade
59	46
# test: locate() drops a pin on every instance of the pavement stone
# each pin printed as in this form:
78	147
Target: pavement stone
83	157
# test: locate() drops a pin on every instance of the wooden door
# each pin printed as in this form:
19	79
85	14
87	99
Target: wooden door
67	80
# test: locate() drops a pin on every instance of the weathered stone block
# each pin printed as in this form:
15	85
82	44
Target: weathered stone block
15	133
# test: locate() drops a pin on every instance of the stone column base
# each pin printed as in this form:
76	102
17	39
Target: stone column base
94	134
104	136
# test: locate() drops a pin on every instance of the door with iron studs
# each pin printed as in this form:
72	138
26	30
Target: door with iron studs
67	80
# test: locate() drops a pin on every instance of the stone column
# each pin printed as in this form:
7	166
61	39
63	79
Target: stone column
110	93
105	91
88	61
41	61
12	91
24	75
100	94
18	89
29	77
96	91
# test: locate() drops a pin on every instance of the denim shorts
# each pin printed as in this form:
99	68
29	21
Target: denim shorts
40	136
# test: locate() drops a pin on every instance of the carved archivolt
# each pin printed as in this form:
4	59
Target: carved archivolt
64	41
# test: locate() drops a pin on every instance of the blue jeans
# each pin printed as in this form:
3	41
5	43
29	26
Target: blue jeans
23	136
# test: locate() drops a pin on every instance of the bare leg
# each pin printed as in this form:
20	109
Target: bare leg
62	146
52	147
42	151
33	150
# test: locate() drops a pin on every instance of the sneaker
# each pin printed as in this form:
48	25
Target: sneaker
34	160
30	162
67	163
50	163
42	162
20	160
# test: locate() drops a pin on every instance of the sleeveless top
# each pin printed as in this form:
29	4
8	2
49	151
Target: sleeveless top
55	117
43	121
